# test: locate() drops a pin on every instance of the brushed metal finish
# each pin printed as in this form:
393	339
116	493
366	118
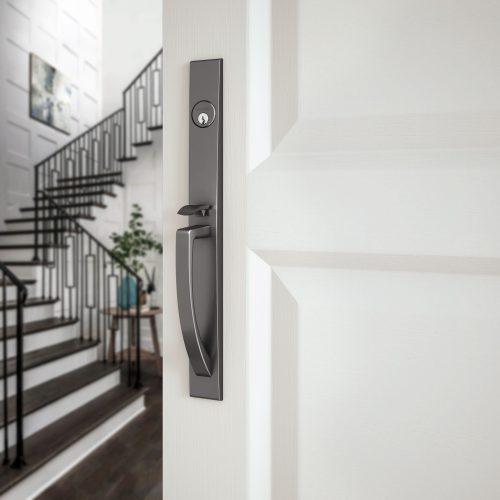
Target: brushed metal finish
198	356
199	246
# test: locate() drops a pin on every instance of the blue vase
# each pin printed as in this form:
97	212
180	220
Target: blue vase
127	293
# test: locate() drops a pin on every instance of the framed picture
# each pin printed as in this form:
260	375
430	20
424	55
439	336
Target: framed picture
50	95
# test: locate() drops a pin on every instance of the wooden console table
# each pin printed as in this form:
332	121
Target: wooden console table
116	313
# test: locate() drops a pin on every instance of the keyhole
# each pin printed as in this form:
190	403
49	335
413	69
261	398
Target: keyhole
202	118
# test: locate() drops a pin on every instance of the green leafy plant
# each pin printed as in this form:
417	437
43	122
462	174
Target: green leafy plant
135	242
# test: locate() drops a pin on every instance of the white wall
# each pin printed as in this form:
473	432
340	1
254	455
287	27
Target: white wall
67	34
372	143
132	35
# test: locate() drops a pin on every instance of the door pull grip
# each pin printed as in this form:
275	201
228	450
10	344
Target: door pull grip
198	356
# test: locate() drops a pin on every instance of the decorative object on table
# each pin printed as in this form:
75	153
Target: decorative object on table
130	247
151	288
127	293
50	95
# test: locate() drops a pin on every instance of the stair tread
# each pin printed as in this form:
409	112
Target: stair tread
28	263
31	302
22	232
142	143
44	355
28	246
55	438
111	182
127	158
67	205
78	193
23	220
84	177
56	388
41	325
23	281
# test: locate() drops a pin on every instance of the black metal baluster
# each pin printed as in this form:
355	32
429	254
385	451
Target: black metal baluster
90	289
138	336
36	257
129	344
97	294
82	300
5	384
105	307
125	300
19	460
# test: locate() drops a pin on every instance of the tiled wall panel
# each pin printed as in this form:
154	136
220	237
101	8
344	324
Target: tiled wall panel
66	33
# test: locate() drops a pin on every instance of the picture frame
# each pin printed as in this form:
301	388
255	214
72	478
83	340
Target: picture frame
50	95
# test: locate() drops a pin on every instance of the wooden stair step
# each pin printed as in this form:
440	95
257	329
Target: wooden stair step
23	232
155	127
56	388
25	282
86	177
110	182
29	246
66	206
28	263
31	302
77	194
41	325
127	158
142	143
57	437
24	220
48	354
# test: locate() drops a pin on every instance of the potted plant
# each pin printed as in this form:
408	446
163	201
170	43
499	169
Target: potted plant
131	247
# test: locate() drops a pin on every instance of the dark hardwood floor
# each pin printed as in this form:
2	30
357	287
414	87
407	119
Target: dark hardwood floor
126	467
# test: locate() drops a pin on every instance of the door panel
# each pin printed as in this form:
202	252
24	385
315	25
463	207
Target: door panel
362	247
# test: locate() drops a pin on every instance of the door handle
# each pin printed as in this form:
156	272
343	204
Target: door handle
197	353
199	267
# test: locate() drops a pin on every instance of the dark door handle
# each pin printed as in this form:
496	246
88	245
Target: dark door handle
198	356
194	210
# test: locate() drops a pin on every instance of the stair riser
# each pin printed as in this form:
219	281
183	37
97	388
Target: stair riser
16	254
21	239
39	340
50	413
30	314
48	371
50	472
12	292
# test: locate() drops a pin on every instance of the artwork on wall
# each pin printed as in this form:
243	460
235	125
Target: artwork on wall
50	95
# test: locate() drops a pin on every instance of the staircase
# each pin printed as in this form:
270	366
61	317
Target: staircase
61	396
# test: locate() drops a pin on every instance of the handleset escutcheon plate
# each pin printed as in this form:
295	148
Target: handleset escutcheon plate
199	246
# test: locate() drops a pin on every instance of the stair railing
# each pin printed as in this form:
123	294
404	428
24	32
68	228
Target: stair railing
97	152
8	278
143	104
94	287
101	150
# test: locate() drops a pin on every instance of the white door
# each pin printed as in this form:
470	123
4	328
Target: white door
362	244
